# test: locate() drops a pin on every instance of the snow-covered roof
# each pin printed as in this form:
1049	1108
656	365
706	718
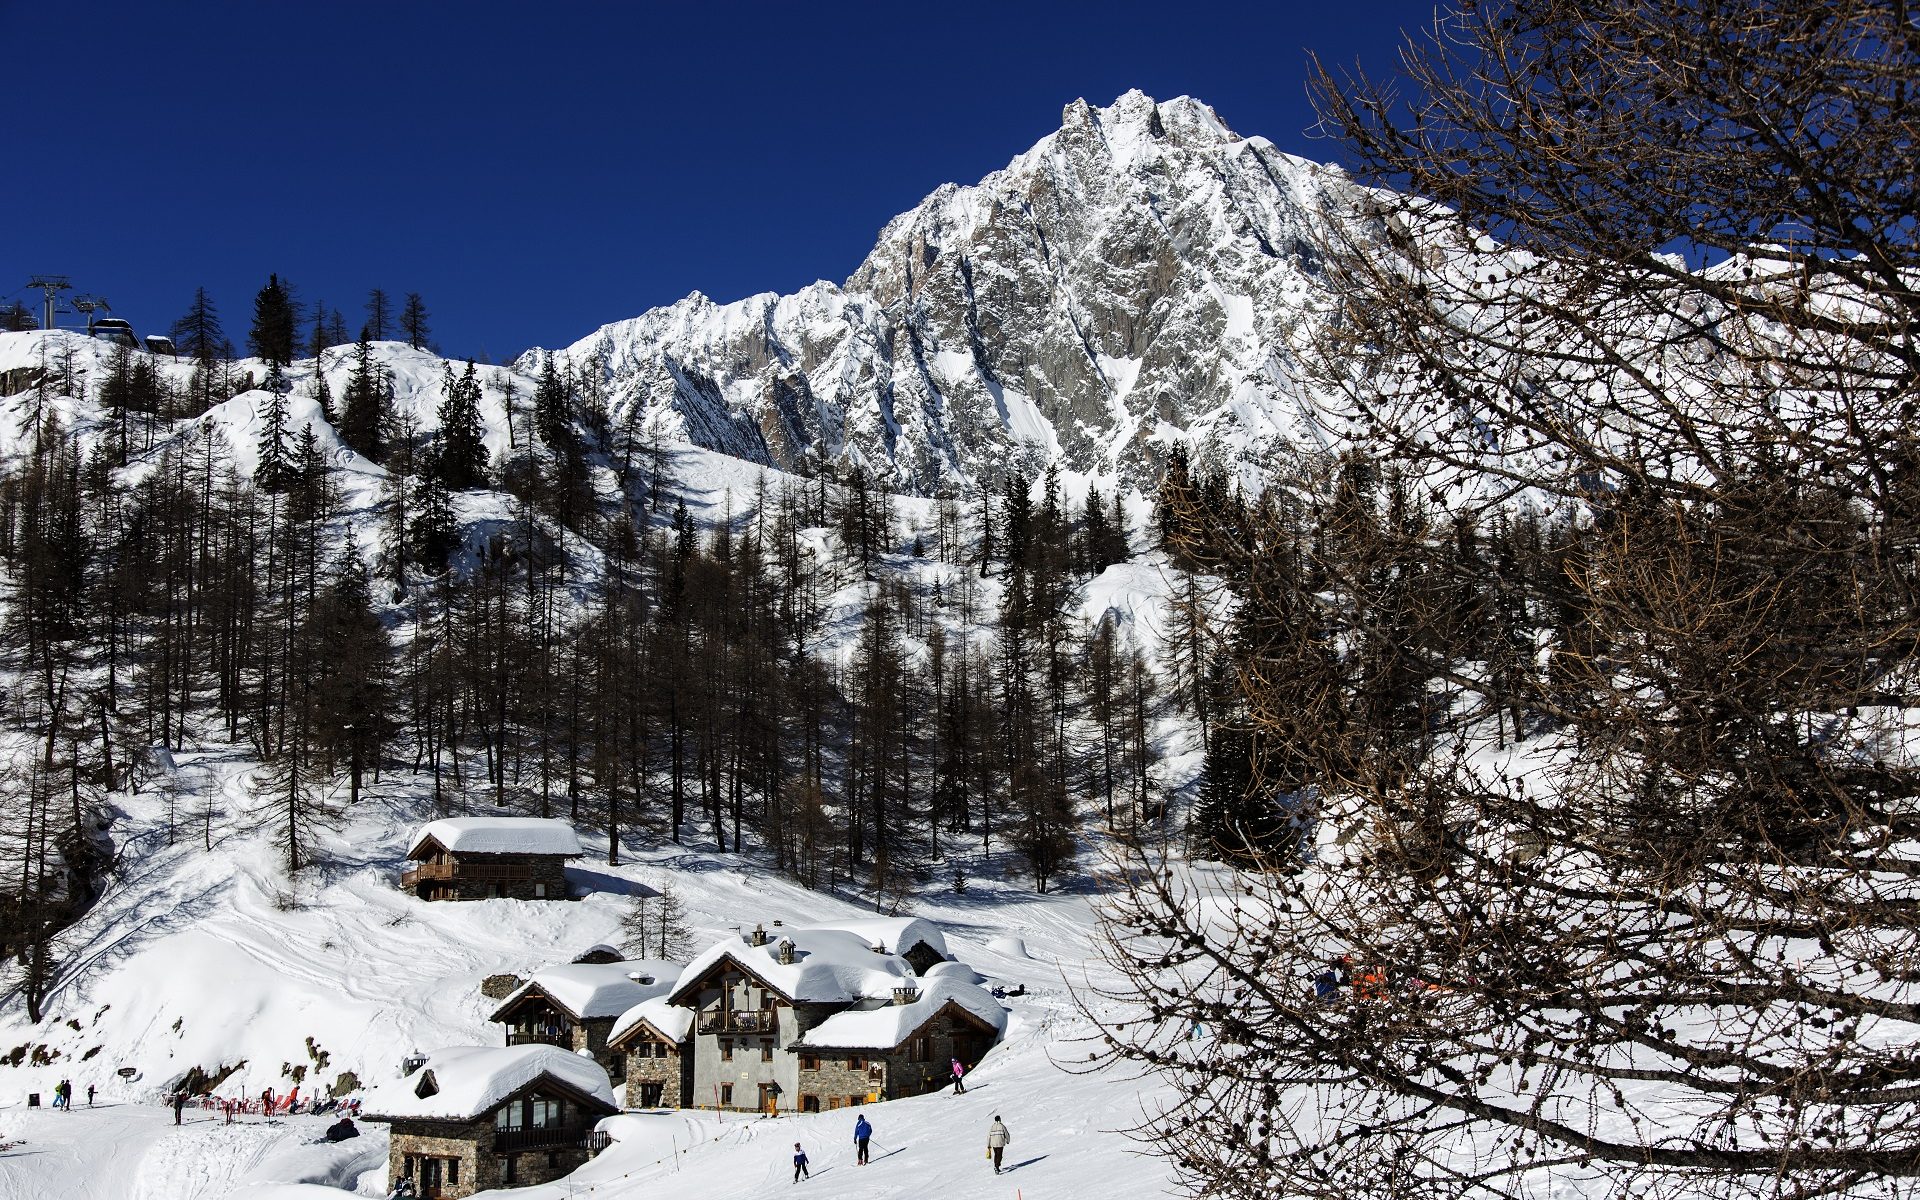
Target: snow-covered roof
499	835
830	966
470	1081
595	990
955	970
896	934
884	1028
671	1020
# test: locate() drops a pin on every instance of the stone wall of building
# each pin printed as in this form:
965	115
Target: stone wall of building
458	1140
835	1084
674	1074
481	1167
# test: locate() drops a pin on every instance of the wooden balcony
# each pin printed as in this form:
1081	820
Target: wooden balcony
478	872
540	1037
739	1021
513	1141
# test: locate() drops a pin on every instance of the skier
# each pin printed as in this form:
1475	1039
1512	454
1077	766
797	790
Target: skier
89	1095
997	1139
799	1164
63	1095
959	1082
179	1102
403	1190
861	1132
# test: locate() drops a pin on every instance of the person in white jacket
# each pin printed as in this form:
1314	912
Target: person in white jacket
997	1139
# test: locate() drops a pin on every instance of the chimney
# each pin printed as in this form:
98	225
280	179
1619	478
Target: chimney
878	948
784	952
759	937
776	924
905	995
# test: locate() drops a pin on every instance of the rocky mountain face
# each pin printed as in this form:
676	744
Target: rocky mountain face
1135	278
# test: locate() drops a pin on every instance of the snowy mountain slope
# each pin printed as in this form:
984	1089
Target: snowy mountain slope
200	954
1137	276
208	959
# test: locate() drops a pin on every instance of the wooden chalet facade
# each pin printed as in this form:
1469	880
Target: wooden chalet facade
575	1006
479	1118
816	1019
487	858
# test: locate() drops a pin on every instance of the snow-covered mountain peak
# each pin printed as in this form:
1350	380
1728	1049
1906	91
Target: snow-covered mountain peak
1135	277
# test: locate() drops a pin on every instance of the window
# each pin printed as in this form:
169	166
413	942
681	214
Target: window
539	891
855	1101
503	1117
810	1062
726	1050
544	1113
553	1159
856	1063
809	1103
453	1171
510	1170
726	1095
922	1051
766	1049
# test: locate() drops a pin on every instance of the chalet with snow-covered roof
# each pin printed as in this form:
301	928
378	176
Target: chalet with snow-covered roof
821	1018
484	858
473	1118
652	1038
575	1006
915	939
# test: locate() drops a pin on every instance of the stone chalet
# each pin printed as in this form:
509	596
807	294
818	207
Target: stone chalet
473	1118
485	858
802	1020
575	1006
651	1038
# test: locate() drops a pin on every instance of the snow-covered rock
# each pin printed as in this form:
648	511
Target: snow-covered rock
1140	275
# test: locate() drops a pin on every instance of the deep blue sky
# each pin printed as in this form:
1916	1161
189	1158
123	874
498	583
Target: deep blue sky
536	170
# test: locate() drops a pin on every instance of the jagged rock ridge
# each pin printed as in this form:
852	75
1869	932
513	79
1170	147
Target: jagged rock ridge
1134	278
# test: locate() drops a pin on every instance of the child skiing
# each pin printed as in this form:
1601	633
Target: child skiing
799	1163
861	1132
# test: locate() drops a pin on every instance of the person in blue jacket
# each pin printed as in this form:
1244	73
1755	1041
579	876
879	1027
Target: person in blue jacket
799	1163
861	1132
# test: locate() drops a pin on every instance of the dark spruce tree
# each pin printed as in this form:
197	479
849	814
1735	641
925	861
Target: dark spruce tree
365	405
274	470
274	323
462	457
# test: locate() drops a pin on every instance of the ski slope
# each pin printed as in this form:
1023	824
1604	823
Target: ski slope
197	958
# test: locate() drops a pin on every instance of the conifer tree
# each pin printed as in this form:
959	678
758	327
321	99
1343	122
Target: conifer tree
433	534
274	469
352	692
413	321
379	321
198	336
462	456
274	323
366	404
